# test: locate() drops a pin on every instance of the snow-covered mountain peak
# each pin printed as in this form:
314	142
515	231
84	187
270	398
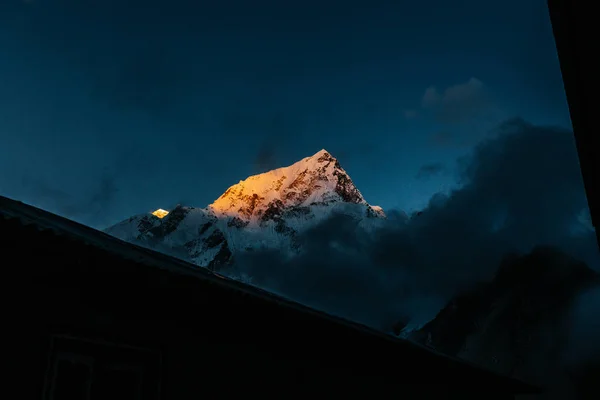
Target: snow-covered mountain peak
318	179
378	210
265	211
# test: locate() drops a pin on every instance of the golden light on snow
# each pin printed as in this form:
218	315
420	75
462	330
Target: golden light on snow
266	186
160	213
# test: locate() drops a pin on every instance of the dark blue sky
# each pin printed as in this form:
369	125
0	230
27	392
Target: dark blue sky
127	106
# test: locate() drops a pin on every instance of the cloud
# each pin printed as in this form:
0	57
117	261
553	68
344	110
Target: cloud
466	112
443	139
410	114
459	103
326	278
91	208
103	195
520	189
431	98
266	158
429	170
271	129
95	201
356	150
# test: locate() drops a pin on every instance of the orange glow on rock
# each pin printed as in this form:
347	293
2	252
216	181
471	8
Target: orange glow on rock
160	213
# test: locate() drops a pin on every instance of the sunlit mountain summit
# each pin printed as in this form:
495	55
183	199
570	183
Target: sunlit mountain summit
264	211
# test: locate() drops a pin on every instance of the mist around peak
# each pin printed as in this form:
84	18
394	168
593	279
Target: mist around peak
521	188
512	237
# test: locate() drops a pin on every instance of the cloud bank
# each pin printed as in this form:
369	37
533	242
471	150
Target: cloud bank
458	103
520	189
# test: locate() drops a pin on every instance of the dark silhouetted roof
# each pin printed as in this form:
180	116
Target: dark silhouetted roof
379	345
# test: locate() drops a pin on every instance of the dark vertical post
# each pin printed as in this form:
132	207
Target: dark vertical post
574	27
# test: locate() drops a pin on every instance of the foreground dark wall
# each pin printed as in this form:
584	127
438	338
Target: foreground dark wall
200	338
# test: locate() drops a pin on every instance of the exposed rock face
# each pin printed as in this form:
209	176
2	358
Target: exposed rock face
267	210
316	179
